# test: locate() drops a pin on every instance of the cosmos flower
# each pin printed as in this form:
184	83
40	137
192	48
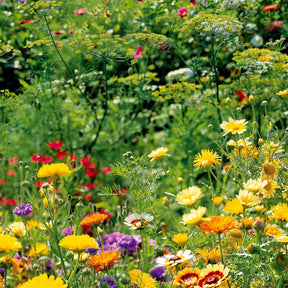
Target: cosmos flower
138	221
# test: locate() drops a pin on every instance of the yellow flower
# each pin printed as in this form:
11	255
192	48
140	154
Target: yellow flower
1	230
83	256
207	159
269	188
17	228
187	277
280	212
195	216
141	279
210	256
159	153
40	250
273	148
217	201
283	93
233	126
46	204
33	223
94	219
273	231
8	243
233	206
44	282
255	185
240	144
282	239
248	199
218	224
78	243
180	238
189	196
269	169
11	263
52	170
235	237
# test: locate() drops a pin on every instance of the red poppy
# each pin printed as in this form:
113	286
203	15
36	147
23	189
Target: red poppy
106	170
2	181
13	160
56	145
61	154
90	186
86	162
46	160
241	95
38	184
73	157
91	173
5	202
10	172
88	197
37	158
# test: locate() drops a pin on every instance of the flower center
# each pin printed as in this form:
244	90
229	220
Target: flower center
211	279
190	279
175	258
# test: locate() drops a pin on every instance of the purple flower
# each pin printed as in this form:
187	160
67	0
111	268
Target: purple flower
2	271
112	238
108	282
126	242
49	265
24	210
93	251
68	231
158	273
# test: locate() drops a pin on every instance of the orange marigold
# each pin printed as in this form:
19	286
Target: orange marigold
94	219
218	224
104	260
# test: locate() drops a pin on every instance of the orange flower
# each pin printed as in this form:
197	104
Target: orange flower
187	277
270	7
94	219
104	260
218	224
247	223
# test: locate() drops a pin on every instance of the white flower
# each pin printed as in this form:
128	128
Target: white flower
138	221
173	260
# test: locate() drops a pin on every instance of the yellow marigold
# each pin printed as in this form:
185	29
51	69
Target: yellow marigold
273	231
9	262
52	170
233	126
210	256
233	206
78	243
94	219
195	216
269	188
8	243
247	223
44	282
17	228
141	279
158	154
207	159
235	237
39	250
189	196
280	212
217	201
213	276
187	277
255	185
248	199
218	224
180	238
104	260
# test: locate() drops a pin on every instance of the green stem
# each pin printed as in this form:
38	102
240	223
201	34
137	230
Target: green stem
75	268
144	252
212	189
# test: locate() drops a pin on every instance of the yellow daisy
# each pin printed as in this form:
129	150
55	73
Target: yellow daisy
44	282
52	170
269	188
158	154
255	185
248	199
210	256
273	231
17	228
280	212
234	206
180	238
217	201
8	243
269	169
78	243
189	196
207	159
40	250
233	126
187	277
141	280
195	216
283	93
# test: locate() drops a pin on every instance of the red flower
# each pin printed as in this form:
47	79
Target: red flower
182	12
86	162
73	157
56	145
46	160
71	31
270	8
26	21
2	181
5	202
91	173
273	26
88	197
106	13
193	2
90	186
37	158
38	184
56	33
241	95
80	11
10	172
252	233
61	154
138	52
121	193
13	160
103	211
106	170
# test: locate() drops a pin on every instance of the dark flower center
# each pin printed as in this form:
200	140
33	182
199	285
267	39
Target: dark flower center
175	258
212	279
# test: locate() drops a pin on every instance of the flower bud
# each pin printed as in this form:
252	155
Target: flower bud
251	99
260	142
265	103
166	201
227	100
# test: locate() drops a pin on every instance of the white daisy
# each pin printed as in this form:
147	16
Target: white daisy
138	221
173	260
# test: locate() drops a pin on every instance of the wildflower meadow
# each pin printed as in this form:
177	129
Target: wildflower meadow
143	143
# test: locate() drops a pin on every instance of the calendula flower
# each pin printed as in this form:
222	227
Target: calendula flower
158	154
11	263
280	212
195	216
283	93
213	276
44	282
78	242
94	219
235	237
180	238
207	159
233	126
248	199
255	185
8	243
141	280
17	228
188	277
189	196
210	256
273	231
217	201
104	260
283	239
40	249
52	170
247	223
218	224
138	221
269	188
174	260
34	223
233	206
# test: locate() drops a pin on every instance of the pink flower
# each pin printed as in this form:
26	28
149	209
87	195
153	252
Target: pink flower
56	145
106	170
80	11
274	26
106	13
61	154
47	160
140	1
13	160
193	2
91	173
56	33
182	12
71	31
10	172
138	52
